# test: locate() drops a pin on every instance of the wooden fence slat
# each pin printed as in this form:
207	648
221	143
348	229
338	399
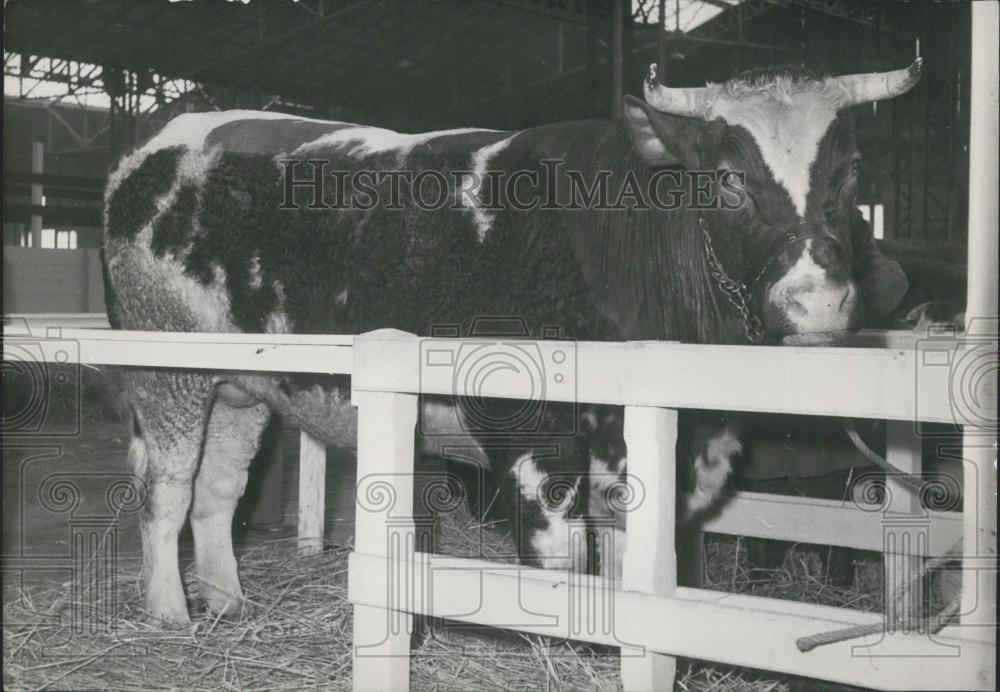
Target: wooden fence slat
824	522
891	384
862	383
384	527
650	562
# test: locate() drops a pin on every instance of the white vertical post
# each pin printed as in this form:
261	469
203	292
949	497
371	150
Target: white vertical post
906	528
384	526
650	561
37	193
312	493
979	450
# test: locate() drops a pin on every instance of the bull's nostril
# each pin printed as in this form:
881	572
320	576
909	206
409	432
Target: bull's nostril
843	301
792	302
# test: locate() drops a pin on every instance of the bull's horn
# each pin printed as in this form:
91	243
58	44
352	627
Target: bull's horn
692	102
877	86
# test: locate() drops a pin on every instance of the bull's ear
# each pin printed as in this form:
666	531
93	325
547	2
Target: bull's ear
670	140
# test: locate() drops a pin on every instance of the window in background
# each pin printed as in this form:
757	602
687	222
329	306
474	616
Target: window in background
66	240
58	240
48	239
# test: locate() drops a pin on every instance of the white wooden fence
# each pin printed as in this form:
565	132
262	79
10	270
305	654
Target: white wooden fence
647	614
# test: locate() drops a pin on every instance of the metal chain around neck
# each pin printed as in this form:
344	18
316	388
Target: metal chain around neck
736	291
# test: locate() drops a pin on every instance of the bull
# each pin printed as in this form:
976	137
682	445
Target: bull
209	227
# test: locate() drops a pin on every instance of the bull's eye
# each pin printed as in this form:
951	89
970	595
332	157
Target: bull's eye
856	167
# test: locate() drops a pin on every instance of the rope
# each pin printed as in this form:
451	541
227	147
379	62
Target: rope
935	622
911	481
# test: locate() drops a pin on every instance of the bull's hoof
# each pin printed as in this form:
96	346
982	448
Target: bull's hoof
228	606
233	612
166	617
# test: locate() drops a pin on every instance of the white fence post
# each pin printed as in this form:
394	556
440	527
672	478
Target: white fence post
979	376
907	528
384	526
650	561
312	493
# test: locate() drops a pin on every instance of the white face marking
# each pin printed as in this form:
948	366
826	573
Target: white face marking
472	185
787	133
363	141
807	300
562	544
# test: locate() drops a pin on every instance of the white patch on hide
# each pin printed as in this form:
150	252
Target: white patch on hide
255	280
361	141
472	185
190	130
712	470
787	130
207	306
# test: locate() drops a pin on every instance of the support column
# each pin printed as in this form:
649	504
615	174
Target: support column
650	562
617	56
312	493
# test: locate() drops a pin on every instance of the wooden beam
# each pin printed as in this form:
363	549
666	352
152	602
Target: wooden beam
221	352
824	522
863	383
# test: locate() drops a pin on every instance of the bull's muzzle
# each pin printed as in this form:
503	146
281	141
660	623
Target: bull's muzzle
813	302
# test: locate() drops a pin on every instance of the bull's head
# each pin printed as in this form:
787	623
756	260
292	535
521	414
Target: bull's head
782	129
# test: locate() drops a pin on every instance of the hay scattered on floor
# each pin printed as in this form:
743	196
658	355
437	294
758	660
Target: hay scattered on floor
802	575
297	635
